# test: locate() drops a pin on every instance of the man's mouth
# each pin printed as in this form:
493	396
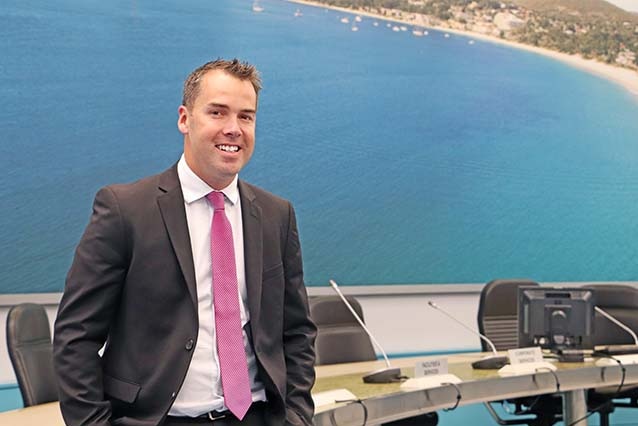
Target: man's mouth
228	148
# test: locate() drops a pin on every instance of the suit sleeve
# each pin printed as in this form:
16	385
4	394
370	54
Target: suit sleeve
299	334
89	302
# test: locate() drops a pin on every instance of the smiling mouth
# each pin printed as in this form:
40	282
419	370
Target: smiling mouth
228	148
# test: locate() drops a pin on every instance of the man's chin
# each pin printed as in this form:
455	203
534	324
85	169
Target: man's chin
231	167
225	174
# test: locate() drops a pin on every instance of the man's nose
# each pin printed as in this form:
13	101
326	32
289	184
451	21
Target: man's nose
232	128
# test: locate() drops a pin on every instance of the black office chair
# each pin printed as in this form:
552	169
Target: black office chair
341	339
498	321
31	353
497	313
621	302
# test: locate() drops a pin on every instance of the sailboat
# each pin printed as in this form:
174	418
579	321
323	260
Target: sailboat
256	7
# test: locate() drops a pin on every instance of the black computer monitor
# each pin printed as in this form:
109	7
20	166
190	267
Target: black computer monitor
555	318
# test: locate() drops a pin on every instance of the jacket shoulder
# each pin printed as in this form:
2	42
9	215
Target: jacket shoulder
146	186
261	196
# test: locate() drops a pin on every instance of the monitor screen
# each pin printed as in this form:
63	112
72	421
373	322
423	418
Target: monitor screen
555	318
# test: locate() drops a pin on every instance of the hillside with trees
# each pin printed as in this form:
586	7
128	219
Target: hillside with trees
593	29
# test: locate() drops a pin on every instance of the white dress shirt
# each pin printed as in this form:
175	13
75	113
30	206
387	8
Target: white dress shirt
202	388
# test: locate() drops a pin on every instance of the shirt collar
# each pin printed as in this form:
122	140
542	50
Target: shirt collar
194	188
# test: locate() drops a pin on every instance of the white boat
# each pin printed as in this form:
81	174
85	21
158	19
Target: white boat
425	33
298	13
471	42
355	28
417	32
375	23
446	35
345	20
403	28
357	18
395	28
257	8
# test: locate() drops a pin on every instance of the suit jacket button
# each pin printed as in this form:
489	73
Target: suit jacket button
189	344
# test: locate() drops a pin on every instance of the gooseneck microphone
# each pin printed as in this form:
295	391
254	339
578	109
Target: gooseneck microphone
491	362
384	375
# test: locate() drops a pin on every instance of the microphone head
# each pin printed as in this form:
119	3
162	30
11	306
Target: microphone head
431	303
333	283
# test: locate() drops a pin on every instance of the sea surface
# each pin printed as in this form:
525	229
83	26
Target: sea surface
408	159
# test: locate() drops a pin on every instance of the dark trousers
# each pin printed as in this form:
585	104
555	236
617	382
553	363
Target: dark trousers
254	417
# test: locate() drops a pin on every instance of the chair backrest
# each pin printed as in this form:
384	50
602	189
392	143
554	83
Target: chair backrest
498	312
340	338
31	353
621	302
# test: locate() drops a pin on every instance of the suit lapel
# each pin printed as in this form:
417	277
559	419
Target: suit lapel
171	205
253	249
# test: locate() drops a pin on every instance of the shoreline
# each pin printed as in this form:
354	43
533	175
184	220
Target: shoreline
624	77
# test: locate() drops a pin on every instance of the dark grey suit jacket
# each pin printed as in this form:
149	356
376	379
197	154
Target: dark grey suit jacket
132	285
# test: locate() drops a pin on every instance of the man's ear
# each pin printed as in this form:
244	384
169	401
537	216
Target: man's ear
182	119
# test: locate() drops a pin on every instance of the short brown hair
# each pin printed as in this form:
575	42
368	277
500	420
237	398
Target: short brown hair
238	69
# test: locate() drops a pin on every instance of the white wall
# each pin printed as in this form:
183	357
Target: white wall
404	323
412	326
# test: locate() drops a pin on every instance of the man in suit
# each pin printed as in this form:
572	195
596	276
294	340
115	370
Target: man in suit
144	284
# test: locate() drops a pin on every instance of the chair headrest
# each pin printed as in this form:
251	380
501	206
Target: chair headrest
29	322
330	310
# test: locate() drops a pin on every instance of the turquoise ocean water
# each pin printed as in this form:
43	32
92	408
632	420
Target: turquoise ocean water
409	159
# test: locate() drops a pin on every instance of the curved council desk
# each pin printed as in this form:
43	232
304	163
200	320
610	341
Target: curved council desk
379	403
387	402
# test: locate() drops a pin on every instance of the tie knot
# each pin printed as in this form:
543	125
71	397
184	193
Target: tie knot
216	199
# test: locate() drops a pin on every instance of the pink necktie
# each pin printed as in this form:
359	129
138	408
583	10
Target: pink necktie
230	342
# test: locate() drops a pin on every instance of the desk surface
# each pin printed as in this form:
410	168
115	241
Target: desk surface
386	402
38	415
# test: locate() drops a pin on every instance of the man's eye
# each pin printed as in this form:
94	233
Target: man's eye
247	117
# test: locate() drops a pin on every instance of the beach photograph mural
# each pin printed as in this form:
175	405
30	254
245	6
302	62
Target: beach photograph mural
421	142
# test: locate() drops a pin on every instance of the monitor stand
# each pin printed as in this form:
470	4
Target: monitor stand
571	355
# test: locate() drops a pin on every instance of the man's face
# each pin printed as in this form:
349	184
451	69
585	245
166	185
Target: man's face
219	128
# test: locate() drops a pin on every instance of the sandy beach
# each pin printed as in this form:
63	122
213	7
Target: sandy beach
622	76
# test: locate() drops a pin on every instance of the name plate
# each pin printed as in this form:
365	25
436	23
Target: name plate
432	367
525	355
